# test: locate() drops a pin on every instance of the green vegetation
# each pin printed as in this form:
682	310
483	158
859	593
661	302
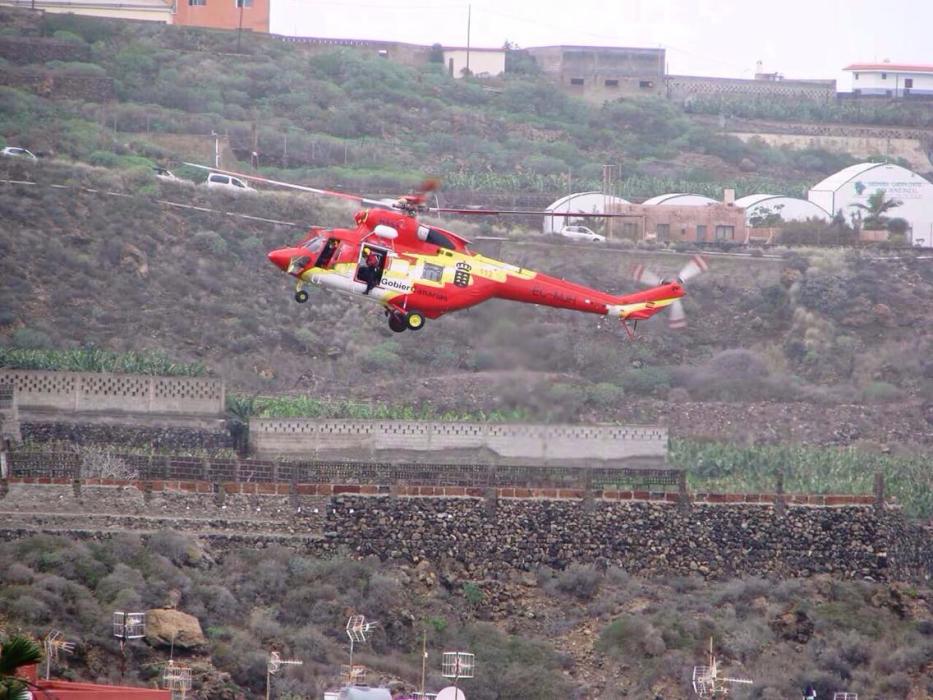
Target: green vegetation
310	407
15	653
91	359
713	466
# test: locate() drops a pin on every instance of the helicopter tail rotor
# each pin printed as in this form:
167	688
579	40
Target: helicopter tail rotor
695	266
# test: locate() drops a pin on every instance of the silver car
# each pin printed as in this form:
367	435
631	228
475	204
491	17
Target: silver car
581	233
17	152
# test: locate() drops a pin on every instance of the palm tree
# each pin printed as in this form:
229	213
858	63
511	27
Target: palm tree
16	653
875	210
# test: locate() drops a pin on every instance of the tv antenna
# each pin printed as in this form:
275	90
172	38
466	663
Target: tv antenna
457	665
707	681
357	629
275	663
177	679
55	644
127	626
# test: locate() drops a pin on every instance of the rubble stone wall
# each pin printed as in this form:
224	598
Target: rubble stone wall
483	537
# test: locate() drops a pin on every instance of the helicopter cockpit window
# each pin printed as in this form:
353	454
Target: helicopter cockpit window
315	245
440	240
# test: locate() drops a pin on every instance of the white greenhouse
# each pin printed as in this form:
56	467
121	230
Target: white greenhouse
855	184
760	206
680	199
580	202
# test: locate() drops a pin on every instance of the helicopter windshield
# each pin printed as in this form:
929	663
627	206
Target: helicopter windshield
315	245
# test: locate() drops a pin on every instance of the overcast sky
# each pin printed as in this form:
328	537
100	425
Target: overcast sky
799	38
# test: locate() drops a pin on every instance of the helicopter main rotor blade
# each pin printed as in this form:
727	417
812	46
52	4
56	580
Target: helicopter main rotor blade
523	212
646	276
678	317
302	188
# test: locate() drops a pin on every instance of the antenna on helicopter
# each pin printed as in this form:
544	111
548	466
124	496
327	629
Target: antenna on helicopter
707	681
55	644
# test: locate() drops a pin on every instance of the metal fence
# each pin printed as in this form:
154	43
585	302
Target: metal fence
73	465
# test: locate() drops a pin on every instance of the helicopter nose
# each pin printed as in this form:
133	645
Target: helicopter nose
281	258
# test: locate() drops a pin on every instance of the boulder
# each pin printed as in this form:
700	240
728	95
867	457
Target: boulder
164	625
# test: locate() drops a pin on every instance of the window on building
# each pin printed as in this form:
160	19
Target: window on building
856	76
432	272
646	83
725	233
576	81
908	82
197	3
884	76
612	83
664	232
630	229
244	3
701	232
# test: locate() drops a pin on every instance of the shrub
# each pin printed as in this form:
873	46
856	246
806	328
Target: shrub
881	392
31	338
579	580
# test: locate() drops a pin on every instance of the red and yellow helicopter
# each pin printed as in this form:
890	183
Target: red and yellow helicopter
418	271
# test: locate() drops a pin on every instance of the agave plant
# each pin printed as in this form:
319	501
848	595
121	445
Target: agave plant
15	653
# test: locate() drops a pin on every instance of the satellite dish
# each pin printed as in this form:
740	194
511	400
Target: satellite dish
451	693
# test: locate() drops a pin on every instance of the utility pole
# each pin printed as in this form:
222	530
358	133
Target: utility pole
424	659
607	193
239	30
469	13
216	149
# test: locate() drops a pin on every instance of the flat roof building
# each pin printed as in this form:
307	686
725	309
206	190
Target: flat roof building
891	79
602	73
149	10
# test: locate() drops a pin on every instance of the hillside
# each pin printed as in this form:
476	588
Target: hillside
348	120
585	632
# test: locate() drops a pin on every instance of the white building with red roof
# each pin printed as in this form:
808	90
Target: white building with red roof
891	79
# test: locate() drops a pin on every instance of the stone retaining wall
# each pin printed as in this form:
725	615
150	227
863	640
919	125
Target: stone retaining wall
166	437
717	535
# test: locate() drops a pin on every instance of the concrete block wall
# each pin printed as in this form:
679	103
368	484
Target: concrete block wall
683	86
102	392
300	436
9	414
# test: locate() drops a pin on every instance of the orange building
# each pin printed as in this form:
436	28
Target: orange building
224	14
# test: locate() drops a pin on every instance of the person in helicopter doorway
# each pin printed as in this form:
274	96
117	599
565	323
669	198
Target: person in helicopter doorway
370	271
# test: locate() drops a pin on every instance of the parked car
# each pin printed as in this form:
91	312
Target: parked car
581	233
17	152
227	182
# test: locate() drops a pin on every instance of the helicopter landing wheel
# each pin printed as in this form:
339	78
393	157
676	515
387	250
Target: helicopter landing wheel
415	320
397	323
301	296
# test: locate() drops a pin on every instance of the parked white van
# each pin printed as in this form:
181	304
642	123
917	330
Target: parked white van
228	183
